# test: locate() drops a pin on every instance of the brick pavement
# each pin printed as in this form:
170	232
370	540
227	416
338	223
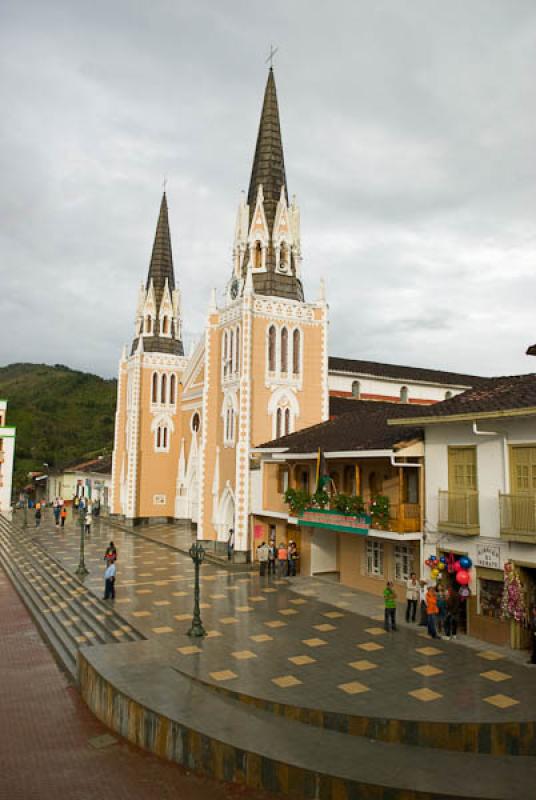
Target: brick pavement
45	733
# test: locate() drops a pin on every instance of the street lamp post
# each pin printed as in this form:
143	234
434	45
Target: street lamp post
82	570
197	554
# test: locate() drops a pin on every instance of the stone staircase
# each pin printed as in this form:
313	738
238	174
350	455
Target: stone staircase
66	612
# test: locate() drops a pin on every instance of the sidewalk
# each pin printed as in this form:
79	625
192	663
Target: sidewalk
52	747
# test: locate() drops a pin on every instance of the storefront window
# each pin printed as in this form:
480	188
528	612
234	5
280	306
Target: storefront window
403	562
375	558
491	593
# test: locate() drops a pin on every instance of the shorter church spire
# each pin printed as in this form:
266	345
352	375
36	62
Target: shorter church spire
158	320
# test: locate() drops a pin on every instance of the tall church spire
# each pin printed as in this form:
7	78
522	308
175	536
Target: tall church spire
267	238
268	168
158	321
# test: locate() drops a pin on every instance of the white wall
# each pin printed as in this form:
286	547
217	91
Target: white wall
390	388
7	438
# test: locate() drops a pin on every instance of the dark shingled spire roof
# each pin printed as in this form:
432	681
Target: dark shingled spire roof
269	171
160	268
269	163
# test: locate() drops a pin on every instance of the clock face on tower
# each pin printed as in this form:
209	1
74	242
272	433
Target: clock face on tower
234	289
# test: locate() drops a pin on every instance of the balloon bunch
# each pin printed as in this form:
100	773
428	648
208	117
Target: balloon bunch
461	567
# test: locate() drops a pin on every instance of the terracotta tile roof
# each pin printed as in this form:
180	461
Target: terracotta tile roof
364	428
100	465
508	393
342	405
377	369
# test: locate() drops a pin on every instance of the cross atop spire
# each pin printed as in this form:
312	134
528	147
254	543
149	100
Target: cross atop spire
268	164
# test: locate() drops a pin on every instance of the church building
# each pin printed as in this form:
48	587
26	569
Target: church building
187	427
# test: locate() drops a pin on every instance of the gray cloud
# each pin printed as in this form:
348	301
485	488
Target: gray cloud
409	133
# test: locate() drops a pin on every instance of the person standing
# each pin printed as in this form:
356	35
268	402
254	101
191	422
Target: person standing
37	515
271	558
57	512
423	617
282	560
532	623
110	555
109	581
432	611
441	610
453	613
262	556
76	502
230	544
389	597
293	556
63	516
88	520
412	597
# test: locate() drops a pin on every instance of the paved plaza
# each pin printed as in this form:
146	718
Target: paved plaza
275	638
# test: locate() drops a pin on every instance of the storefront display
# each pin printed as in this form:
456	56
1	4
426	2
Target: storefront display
491	594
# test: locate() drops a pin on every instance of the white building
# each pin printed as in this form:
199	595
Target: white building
91	479
7	454
480	500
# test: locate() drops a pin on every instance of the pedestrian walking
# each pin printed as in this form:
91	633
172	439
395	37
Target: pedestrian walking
431	612
37	515
87	521
453	613
57	512
389	597
532	623
76	503
412	597
423	617
272	553
282	560
262	557
109	581
230	544
63	516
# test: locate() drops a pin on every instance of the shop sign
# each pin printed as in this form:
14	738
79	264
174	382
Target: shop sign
335	521
488	555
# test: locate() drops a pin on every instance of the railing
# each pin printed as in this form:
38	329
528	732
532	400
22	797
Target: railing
403	518
458	512
518	516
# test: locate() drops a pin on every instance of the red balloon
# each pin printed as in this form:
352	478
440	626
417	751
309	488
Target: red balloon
463	577
457	566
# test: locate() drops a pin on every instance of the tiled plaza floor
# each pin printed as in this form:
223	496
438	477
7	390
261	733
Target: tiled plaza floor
266	639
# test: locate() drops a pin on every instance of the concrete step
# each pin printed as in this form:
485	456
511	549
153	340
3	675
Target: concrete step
220	736
63	608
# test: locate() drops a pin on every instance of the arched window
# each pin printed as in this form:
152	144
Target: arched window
172	382
271	348
165	326
231	352
154	392
163	387
278	423
287	421
296	354
257	255
404	395
448	395
356	389
284	350
224	353
148	324
237	363
196	422
164	437
158	436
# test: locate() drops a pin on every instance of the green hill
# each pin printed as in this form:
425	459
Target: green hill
61	415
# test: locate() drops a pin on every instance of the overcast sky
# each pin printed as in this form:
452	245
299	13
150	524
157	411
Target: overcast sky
409	130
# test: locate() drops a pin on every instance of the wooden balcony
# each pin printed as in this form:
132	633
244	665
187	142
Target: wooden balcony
403	518
518	517
458	513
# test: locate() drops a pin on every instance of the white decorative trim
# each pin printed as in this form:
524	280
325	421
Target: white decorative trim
285	310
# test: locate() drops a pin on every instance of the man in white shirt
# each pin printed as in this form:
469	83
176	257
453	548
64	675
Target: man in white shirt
262	555
109	581
412	595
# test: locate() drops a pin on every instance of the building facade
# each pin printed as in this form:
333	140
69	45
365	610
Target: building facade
7	454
